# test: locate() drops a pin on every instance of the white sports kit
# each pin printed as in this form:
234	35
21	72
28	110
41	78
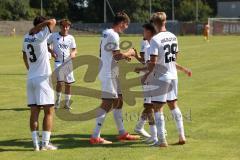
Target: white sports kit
62	46
39	90
164	45
109	70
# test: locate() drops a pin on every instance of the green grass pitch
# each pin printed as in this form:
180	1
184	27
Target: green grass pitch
209	102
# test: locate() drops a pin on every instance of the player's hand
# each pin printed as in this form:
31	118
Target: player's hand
128	59
136	53
132	52
188	72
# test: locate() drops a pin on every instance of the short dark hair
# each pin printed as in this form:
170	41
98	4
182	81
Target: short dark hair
38	20
65	21
150	27
121	17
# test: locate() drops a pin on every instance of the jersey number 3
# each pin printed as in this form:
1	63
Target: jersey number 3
33	57
168	50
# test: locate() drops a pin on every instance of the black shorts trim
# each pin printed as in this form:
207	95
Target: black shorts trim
109	98
158	102
67	82
173	100
44	105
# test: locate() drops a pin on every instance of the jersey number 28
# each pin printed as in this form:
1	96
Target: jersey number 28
168	50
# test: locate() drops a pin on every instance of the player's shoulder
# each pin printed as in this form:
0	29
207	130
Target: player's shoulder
54	34
71	37
109	33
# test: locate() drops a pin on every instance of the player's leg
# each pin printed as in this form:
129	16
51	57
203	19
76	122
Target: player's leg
105	107
159	99
60	79
45	98
178	118
176	113
67	95
58	94
47	127
34	126
160	124
34	114
118	117
69	79
109	93
139	128
152	125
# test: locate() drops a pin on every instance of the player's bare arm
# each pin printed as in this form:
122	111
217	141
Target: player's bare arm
151	65
73	53
184	70
50	23
54	55
25	60
140	57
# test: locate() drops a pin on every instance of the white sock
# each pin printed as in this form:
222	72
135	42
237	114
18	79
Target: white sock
58	96
160	124
35	138
67	99
153	131
141	123
99	123
177	115
117	113
45	137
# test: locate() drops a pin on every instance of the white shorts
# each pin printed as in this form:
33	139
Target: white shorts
64	72
40	91
167	91
147	94
110	88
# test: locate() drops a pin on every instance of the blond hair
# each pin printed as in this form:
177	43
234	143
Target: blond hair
159	18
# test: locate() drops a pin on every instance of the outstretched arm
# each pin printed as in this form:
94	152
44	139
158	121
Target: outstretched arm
184	70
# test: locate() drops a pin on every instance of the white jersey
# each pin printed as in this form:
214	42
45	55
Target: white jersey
165	46
145	48
62	46
35	47
109	43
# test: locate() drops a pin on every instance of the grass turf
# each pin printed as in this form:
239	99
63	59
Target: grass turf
209	102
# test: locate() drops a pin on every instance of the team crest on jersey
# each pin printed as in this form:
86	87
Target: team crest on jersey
104	35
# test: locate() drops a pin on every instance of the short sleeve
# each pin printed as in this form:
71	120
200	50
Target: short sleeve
43	34
114	40
50	39
73	43
154	50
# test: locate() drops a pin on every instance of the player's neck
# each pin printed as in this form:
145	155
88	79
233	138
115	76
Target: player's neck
63	34
116	29
162	29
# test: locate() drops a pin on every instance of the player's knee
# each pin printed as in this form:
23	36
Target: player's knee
172	104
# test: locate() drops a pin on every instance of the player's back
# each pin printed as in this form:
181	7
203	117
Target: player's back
35	47
166	46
